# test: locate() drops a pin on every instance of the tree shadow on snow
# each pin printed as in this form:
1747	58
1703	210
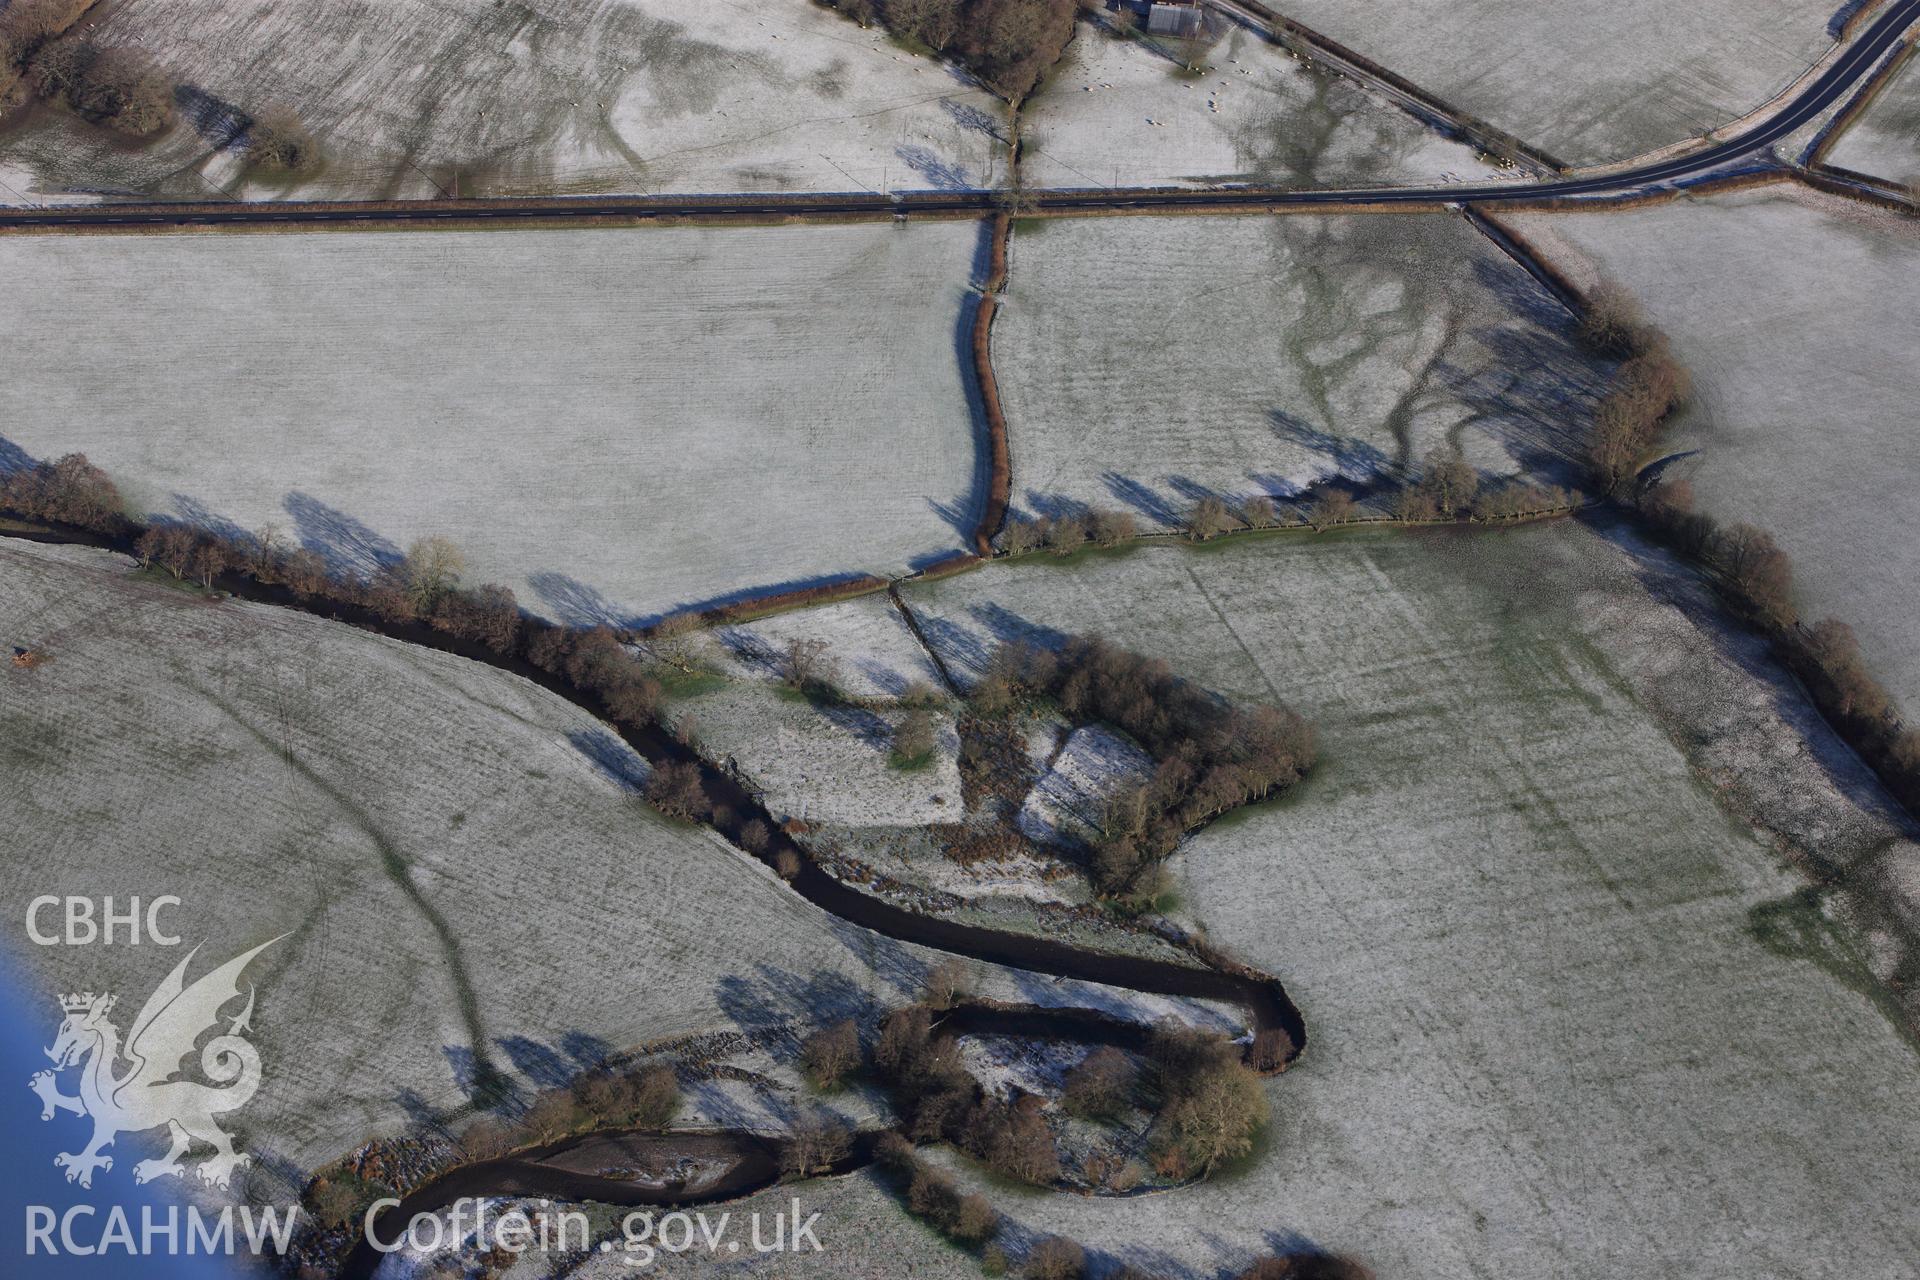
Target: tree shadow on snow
536	1066
777	1007
891	963
964	514
195	514
349	548
575	604
13	458
555	1065
612	757
757	653
1536	392
1008	627
972	118
939	173
1054	506
869	728
962	648
1347	456
1141	498
1194	492
1670	581
219	123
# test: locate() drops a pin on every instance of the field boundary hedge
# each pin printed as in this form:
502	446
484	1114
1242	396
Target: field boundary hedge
1000	461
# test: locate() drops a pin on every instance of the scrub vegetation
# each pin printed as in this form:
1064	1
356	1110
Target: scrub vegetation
1209	756
1009	43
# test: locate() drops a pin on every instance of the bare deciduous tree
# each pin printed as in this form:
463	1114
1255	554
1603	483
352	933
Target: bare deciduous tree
913	737
1450	479
671	640
70	490
1759	571
644	1099
1416	505
488	1137
60	66
210	558
1212	1104
1101	1085
305	572
119	88
553	1115
932	22
632	698
1211	518
168	546
1023	536
1067	534
1111	527
946	982
1334	507
333	1203
1014	1139
1854	692
278	143
431	571
920	693
974	1220
831	1053
1613	324
677	790
1056	1258
807	664
265	552
817	1142
1519	498
654	1097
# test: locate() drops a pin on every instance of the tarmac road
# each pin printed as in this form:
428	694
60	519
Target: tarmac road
1832	87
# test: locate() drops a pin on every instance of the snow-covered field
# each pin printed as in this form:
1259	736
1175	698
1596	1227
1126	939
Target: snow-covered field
1884	141
828	764
459	861
1795	312
1589	83
1146	362
412	98
614	423
1546	1036
1068	803
870	651
1120	112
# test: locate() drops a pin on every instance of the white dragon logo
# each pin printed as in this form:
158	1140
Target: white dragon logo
146	1095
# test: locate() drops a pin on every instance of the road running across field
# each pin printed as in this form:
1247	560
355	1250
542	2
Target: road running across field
1847	74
